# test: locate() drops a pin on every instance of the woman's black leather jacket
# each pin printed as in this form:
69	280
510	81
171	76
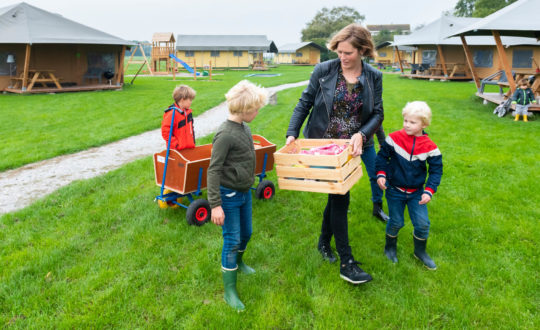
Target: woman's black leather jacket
319	95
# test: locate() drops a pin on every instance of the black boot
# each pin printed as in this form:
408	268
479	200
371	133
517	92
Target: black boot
379	213
420	253
390	249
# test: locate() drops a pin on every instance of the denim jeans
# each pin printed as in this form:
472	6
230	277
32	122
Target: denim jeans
368	158
237	226
335	224
397	200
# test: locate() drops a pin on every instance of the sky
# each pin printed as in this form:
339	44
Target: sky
280	20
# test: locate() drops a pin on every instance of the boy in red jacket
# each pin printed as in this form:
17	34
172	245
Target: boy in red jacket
183	136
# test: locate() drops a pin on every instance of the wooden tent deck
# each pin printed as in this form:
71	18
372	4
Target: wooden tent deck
498	98
435	77
40	90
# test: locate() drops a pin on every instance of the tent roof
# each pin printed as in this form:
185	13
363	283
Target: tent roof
225	42
518	19
437	32
26	24
292	48
391	44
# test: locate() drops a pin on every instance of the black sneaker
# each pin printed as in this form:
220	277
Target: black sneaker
326	252
350	272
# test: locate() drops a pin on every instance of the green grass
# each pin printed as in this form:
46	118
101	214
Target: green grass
37	127
100	253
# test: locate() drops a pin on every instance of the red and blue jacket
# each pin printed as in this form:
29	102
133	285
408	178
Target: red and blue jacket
405	160
183	136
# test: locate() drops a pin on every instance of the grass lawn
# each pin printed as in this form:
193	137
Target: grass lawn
100	253
37	127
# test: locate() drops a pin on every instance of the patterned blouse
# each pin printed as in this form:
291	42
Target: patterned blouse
345	116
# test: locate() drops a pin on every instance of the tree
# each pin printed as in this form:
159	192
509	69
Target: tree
479	8
327	22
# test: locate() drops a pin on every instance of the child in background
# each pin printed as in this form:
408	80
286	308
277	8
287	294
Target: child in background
183	136
522	98
230	176
401	171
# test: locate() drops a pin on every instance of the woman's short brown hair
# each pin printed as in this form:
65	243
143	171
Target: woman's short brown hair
358	36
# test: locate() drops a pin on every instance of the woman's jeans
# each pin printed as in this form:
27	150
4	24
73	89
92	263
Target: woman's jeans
397	200
368	158
335	223
237	226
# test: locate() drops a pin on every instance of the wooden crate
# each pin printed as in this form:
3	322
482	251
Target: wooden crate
334	174
185	165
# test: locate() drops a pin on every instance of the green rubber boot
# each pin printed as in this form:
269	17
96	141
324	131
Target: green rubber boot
231	295
242	266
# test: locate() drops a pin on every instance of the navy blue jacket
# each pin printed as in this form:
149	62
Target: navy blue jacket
523	96
402	161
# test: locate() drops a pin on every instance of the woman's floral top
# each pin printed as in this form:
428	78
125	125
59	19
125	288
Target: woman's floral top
345	116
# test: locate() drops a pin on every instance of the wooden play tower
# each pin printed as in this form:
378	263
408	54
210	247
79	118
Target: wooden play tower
163	44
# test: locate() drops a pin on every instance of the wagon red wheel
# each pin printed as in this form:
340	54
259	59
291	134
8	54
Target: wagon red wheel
265	190
198	212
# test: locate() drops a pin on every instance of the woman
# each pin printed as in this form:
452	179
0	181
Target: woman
343	101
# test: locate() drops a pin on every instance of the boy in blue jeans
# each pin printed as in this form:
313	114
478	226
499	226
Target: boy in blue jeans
401	171
230	177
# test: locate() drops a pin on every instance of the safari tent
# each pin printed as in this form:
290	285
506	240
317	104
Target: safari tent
440	57
307	53
44	52
519	19
224	51
387	54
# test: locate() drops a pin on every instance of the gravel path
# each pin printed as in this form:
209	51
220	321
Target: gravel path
22	186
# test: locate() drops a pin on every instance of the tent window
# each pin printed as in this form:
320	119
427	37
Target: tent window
382	54
5	66
483	58
429	57
101	61
238	53
214	53
298	54
522	58
190	53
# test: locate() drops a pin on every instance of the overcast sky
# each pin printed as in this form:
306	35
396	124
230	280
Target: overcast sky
280	20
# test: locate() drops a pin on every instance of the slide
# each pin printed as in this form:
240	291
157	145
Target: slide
184	64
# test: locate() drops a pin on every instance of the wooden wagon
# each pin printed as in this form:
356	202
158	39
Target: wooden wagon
184	175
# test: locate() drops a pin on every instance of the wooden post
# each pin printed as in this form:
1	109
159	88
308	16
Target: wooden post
414	57
210	77
130	58
120	73
194	69
443	62
26	65
147	63
470	62
504	59
399	59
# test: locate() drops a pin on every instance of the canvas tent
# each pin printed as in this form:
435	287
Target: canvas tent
224	51
517	19
444	57
42	52
388	54
306	52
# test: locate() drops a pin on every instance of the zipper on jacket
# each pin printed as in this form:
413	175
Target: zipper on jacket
412	150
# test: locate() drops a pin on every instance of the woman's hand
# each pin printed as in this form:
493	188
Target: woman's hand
356	142
291	140
218	217
382	183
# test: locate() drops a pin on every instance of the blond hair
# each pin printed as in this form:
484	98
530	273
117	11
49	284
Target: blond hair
183	92
418	109
358	36
245	97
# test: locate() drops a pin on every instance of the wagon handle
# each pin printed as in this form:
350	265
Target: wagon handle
167	155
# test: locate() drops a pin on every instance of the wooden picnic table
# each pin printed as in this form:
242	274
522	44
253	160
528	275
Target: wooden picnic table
41	76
